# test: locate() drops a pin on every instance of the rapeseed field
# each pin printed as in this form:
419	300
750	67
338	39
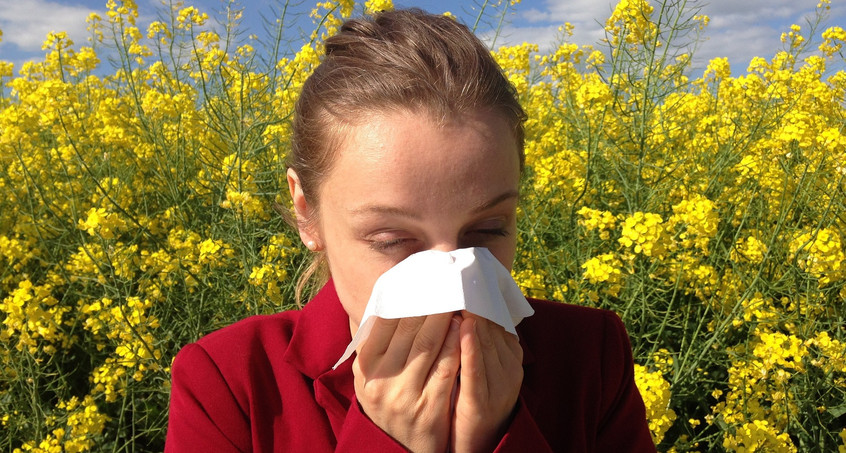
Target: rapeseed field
142	174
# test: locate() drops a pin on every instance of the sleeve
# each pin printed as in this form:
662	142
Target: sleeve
523	434
359	433
204	414
623	426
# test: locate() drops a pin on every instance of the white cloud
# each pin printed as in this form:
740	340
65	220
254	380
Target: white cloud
26	23
543	36
536	15
586	16
739	29
740	46
580	12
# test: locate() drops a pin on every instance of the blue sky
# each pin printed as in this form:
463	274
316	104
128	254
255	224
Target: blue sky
739	29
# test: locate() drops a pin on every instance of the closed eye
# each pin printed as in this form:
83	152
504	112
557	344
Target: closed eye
492	231
382	246
482	237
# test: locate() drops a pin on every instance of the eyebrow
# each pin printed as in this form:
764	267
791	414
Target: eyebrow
400	212
496	200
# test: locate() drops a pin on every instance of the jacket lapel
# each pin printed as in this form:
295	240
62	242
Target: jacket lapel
319	338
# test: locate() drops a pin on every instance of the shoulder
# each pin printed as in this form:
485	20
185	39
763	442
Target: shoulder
565	336
558	309
238	344
278	326
578	322
579	374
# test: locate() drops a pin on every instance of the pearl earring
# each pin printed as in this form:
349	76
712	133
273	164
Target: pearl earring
311	245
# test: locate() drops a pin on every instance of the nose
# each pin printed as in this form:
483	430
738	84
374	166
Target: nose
445	247
447	244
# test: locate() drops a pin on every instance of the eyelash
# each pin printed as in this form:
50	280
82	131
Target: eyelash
381	246
493	231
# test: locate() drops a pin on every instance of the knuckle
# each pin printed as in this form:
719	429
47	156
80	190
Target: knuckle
517	375
518	355
444	370
409	326
487	342
424	342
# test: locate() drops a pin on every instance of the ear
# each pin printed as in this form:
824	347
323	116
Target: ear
303	211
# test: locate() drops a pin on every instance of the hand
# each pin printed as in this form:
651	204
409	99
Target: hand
489	384
404	377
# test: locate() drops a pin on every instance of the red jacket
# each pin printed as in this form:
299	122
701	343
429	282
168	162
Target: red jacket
266	384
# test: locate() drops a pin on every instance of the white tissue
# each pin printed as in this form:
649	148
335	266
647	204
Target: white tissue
432	282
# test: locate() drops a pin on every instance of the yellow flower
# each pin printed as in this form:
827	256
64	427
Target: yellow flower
101	223
645	233
820	253
699	219
758	435
655	391
592	219
748	249
375	6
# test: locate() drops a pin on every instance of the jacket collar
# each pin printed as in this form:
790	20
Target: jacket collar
321	334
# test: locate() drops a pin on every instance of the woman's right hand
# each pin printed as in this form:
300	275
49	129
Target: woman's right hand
404	378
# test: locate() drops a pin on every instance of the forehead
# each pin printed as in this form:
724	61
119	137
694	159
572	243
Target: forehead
403	152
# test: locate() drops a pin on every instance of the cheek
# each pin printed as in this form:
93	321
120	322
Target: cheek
352	299
505	253
506	250
353	275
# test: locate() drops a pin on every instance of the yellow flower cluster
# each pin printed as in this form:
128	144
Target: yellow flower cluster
749	249
699	218
833	39
759	436
604	269
820	254
707	211
645	234
101	223
136	217
273	268
516	62
631	21
374	6
595	220
655	391
532	283
33	319
82	425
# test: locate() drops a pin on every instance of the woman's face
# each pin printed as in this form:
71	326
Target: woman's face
402	184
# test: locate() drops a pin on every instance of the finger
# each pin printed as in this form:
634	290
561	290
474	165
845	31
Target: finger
472	373
509	351
379	339
513	350
428	343
445	368
508	371
515	347
402	341
386	348
490	353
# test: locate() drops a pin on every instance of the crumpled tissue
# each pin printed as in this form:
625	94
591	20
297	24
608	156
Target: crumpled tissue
432	282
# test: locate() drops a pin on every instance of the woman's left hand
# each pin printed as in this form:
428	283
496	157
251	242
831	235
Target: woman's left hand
490	379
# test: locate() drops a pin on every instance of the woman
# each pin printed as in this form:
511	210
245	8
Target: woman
406	138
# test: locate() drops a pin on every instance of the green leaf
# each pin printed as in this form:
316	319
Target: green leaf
837	411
